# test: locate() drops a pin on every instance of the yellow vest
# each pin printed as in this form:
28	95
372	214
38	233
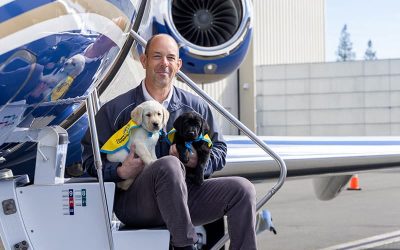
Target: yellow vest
119	139
206	138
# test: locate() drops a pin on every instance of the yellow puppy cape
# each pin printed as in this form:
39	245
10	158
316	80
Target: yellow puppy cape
119	140
206	138
61	88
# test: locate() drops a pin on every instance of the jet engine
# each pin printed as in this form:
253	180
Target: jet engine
214	35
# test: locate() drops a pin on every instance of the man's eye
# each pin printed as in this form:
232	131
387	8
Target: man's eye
171	58
157	57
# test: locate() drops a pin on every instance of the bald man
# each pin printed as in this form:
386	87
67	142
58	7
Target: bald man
159	195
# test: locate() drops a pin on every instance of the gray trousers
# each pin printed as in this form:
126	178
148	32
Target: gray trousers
160	196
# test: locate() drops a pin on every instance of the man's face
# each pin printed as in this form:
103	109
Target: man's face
161	62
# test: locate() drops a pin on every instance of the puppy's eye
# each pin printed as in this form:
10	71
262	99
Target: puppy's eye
159	114
148	115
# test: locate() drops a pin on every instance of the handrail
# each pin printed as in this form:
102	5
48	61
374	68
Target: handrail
91	106
242	128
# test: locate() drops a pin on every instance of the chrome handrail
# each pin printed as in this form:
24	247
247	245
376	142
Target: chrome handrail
242	128
91	111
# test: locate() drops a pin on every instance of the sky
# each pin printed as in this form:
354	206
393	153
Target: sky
375	20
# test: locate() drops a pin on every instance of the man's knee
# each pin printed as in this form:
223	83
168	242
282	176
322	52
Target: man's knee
245	188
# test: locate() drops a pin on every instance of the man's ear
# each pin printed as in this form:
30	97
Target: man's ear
136	115
179	63
165	117
143	60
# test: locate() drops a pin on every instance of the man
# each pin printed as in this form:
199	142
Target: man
159	194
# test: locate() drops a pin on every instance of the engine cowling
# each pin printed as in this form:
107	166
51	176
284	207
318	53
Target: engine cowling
214	35
328	187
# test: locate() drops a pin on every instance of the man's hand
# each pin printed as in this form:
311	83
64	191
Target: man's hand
192	163
131	167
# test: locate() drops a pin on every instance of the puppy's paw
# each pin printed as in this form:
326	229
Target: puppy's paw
124	185
148	163
184	156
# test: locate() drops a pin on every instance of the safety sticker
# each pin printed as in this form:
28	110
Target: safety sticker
73	199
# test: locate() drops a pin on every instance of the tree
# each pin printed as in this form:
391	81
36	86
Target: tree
370	54
344	52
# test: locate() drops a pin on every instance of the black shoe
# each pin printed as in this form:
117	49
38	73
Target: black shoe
191	247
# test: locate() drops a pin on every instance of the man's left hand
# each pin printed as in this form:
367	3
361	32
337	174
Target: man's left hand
192	163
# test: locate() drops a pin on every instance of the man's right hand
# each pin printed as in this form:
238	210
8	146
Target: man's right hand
131	166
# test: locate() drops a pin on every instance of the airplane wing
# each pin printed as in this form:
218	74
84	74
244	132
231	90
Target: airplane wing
331	160
311	155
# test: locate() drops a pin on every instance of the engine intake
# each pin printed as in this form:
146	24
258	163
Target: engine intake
206	23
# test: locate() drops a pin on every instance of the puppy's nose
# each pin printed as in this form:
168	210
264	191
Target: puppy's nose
155	124
191	133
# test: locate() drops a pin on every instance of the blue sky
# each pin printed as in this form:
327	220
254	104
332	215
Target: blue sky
378	20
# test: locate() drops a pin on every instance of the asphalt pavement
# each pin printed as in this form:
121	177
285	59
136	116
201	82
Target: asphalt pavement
304	222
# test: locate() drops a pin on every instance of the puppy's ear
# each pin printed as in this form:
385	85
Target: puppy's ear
165	116
178	123
137	115
205	128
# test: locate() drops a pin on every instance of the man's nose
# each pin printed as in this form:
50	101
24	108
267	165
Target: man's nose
164	61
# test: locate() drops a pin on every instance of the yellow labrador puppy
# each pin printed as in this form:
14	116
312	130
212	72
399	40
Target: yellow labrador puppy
150	117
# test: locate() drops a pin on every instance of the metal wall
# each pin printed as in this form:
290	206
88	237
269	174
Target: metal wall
329	99
289	31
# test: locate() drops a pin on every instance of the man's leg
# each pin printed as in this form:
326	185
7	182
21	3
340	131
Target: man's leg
158	197
233	196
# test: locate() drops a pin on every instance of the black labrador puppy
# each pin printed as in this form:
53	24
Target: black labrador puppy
191	130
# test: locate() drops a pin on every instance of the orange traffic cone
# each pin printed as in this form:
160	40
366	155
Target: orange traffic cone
354	183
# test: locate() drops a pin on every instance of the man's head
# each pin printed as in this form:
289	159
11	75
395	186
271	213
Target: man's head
161	61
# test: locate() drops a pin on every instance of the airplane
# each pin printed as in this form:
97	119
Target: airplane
54	54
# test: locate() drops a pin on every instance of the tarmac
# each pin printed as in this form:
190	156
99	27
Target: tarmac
304	222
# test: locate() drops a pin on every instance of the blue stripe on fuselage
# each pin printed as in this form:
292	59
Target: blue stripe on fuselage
18	7
326	143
